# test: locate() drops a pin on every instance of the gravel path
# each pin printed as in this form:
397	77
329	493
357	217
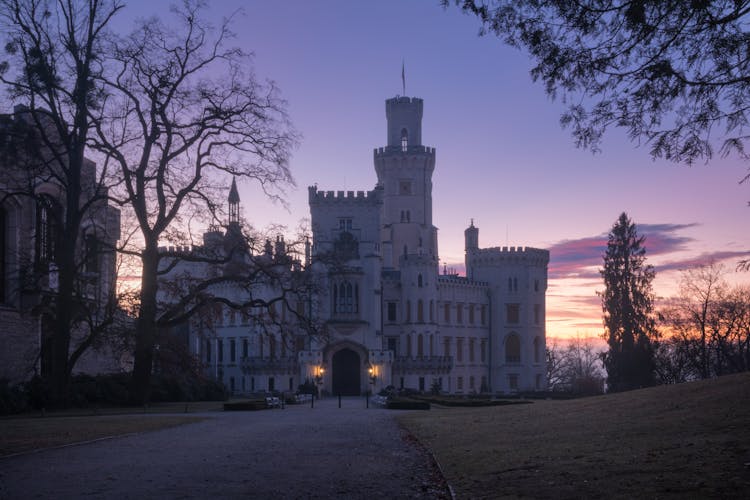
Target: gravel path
298	452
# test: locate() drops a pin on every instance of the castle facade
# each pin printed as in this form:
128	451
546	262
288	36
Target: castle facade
389	317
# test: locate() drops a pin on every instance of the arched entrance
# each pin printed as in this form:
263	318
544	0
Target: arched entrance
346	373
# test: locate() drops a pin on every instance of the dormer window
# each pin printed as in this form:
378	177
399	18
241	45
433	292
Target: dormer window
404	140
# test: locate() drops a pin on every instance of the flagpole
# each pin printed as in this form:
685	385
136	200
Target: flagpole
403	78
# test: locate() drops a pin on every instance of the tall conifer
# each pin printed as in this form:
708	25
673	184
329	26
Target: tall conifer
627	303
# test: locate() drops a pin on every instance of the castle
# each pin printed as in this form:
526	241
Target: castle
390	317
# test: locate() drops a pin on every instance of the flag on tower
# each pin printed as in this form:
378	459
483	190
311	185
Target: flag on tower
403	78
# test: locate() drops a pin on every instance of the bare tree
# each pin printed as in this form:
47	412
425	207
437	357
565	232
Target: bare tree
54	58
708	324
183	112
576	368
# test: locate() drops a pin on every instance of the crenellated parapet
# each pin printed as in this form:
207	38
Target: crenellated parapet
509	255
452	280
415	150
320	197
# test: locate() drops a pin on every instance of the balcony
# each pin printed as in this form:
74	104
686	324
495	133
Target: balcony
423	364
264	366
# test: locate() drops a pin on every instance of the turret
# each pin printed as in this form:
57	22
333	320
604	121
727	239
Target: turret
404	115
234	204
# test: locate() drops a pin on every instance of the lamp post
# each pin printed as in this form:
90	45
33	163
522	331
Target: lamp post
371	370
318	378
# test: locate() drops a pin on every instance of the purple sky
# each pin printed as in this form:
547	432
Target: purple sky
502	157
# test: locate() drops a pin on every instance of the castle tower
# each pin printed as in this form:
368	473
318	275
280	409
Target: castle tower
471	239
404	169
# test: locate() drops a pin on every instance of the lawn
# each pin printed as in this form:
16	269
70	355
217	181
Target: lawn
684	441
33	432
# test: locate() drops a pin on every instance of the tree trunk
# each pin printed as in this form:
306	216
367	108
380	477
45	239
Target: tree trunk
145	330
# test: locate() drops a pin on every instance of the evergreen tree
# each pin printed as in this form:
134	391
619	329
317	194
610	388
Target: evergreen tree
627	303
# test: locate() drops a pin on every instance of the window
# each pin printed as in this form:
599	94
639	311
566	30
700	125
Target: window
459	313
471	314
432	345
345	224
483	351
420	345
513	381
208	350
420	311
472	342
244	348
447	346
484	387
447	309
537	350
408	346
419	281
46	230
459	349
392	343
537	313
471	383
536	285
220	350
538	382
271	384
510	284
91	256
432	311
345	297
232	351
408	311
512	349
460	383
391	311
272	347
231	384
484	315
421	384
515	284
404	187
513	313
404	139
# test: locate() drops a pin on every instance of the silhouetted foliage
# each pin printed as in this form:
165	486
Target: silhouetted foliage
186	112
575	368
52	56
627	303
672	72
708	328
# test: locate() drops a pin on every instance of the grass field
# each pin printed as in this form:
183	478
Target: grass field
32	432
684	441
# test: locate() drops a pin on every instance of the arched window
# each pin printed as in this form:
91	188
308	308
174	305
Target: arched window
420	346
420	311
537	350
512	349
47	230
419	281
404	139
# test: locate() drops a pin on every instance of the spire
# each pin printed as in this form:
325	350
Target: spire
234	203
234	196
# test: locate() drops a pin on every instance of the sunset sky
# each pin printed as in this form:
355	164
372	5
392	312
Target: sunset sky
502	157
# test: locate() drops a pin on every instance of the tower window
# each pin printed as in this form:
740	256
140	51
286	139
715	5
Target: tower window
404	139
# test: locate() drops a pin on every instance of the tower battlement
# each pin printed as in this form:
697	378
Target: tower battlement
319	196
378	152
535	256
